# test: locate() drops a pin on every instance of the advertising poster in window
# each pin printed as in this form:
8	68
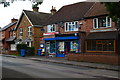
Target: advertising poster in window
61	46
74	46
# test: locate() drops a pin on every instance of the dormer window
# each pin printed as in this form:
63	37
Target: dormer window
51	28
71	26
29	31
102	22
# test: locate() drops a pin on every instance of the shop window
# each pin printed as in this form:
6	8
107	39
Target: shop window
100	45
61	47
52	47
74	46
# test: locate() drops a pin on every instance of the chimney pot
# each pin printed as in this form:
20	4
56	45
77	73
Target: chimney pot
53	10
14	20
36	9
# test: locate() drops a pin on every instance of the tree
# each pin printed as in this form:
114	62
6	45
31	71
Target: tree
114	11
7	3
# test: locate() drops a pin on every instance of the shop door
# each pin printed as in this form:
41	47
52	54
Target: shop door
67	48
47	48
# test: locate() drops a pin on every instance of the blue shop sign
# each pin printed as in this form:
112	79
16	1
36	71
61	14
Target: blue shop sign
61	38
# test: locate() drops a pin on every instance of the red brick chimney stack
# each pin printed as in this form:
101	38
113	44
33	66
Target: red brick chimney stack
53	10
35	9
14	20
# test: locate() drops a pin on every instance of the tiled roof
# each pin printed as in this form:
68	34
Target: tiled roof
97	10
37	18
71	12
9	25
78	11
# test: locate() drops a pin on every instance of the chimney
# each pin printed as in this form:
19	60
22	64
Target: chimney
35	9
53	10
14	20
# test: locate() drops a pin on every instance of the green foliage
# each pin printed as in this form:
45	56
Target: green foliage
7	3
114	11
29	51
21	46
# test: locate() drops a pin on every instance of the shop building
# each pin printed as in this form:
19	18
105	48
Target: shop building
64	32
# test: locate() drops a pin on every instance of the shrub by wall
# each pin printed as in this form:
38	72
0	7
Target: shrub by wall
29	51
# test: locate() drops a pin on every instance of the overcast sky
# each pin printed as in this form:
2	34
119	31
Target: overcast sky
15	9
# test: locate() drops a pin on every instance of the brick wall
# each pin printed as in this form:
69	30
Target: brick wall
107	59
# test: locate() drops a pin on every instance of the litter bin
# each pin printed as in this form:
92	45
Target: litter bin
39	52
22	52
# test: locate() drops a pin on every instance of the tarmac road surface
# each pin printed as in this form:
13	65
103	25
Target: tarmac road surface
23	68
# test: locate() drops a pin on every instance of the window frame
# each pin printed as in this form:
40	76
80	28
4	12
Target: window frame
96	26
50	29
30	31
73	26
20	31
97	43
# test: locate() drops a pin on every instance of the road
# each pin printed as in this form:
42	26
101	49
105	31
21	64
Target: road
24	68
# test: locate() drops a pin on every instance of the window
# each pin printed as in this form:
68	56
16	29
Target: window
29	44
51	28
20	32
74	46
11	33
2	34
14	34
29	31
13	47
102	22
71	26
100	45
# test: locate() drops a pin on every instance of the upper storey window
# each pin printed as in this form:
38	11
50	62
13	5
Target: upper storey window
29	31
51	28
102	22
71	26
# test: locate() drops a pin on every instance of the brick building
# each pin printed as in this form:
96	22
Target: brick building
8	37
29	29
83	27
64	32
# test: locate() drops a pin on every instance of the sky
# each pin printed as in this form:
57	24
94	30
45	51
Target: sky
15	9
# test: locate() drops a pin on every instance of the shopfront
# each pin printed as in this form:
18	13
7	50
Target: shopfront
60	46
102	42
67	46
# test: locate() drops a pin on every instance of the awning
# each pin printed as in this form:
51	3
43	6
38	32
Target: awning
102	35
61	38
11	39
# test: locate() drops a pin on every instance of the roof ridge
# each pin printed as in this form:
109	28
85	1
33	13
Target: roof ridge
90	8
36	12
74	3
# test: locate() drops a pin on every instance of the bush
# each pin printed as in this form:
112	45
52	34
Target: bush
29	51
21	46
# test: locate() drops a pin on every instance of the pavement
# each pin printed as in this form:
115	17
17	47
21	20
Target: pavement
66	62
